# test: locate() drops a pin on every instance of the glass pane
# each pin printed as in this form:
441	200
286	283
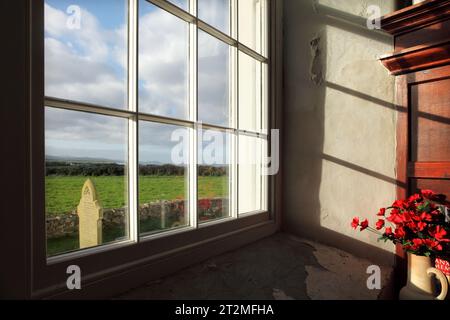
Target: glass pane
215	13
183	4
163	177
86	51
214	183
250	178
250	23
213	80
86	180
163	63
249	93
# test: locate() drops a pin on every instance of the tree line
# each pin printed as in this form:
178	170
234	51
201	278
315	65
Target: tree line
113	169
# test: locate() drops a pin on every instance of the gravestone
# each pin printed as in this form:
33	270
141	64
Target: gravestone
90	214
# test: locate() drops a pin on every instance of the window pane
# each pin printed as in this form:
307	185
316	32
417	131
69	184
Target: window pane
214	183
215	13
250	23
249	93
163	177
86	51
250	178
163	63
82	147
213	80
183	4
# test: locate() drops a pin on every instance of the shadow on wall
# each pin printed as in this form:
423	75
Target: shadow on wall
334	121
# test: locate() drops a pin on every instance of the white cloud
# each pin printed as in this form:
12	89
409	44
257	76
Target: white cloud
216	13
85	64
163	63
89	65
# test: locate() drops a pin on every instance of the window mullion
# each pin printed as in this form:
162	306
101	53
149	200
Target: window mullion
193	108
133	161
234	110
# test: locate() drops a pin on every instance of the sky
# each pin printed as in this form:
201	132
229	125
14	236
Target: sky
86	62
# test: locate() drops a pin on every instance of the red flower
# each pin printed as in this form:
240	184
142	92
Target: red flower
407	216
400	204
364	225
204	204
426	217
380	224
417	243
400	233
432	244
388	231
395	218
355	223
427	194
439	233
414	197
421	225
381	212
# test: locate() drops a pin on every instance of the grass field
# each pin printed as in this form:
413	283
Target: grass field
71	243
63	192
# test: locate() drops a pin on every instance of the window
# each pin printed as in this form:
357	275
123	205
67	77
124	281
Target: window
155	118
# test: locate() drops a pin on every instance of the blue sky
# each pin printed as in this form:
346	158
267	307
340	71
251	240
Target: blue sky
89	65
111	13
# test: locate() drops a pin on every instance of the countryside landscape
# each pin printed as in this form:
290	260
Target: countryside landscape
157	182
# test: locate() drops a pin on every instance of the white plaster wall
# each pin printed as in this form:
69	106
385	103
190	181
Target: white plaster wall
339	124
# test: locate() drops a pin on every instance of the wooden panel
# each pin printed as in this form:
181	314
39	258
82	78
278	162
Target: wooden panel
421	44
401	84
418	58
430	121
429	34
439	186
429	170
417	16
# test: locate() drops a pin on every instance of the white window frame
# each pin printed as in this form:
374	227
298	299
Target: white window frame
133	115
145	253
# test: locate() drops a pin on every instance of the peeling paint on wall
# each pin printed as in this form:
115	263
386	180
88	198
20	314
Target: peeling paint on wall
316	71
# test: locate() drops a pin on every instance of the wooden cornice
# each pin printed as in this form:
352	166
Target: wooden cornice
416	16
418	58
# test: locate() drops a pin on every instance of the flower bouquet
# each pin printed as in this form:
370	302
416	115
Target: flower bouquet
420	225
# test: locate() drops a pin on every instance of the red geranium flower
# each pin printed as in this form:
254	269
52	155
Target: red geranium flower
418	224
380	224
395	218
414	197
400	233
364	225
399	204
432	244
355	223
439	233
421	225
426	217
428	194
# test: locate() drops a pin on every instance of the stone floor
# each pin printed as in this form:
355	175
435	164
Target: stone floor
279	267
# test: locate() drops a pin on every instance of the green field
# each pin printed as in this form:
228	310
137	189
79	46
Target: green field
63	192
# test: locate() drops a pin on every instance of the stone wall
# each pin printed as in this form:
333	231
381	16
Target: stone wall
67	224
339	123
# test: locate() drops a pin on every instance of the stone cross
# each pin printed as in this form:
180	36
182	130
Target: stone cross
90	214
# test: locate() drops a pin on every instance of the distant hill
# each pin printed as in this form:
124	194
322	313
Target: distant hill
51	158
63	166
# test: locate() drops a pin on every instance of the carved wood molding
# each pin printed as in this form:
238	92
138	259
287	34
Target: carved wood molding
418	58
416	16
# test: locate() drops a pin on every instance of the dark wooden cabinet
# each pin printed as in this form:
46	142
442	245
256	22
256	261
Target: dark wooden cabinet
421	62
